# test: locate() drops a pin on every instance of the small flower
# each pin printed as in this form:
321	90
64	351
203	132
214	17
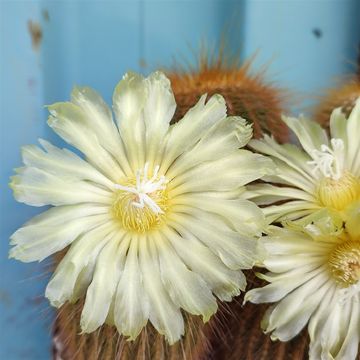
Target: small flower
152	216
314	279
325	173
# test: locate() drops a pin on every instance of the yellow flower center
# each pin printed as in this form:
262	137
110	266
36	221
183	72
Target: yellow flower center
338	194
344	263
140	202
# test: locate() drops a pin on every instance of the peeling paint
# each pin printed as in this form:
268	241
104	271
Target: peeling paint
35	31
45	15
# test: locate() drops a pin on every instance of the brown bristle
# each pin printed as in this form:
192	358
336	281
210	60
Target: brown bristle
244	339
107	344
246	94
343	96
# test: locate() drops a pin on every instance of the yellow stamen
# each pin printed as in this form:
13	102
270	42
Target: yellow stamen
344	263
338	194
140	203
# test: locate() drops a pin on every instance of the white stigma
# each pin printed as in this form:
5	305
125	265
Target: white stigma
145	186
328	160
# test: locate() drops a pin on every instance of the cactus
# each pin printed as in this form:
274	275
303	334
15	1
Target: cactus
246	94
343	96
262	104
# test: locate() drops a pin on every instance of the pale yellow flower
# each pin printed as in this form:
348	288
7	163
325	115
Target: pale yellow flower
323	173
314	280
152	215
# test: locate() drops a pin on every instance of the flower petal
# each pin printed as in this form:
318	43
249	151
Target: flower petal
186	288
245	217
158	111
291	210
225	283
82	252
321	315
236	251
334	330
353	221
353	131
286	175
103	286
62	163
283	241
131	310
71	123
310	134
292	313
223	138
350	344
36	187
99	118
227	173
338	124
46	233
281	286
163	313
129	99
265	194
188	131
289	154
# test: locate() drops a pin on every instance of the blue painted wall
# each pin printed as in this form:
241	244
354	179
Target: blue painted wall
94	43
310	43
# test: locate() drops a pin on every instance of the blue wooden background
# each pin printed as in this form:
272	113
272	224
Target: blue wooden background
308	44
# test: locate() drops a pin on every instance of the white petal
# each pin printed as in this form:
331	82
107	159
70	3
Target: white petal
186	288
129	99
283	263
338	125
228	173
82	252
83	280
310	134
287	175
289	154
350	345
36	187
99	119
158	111
265	194
235	250
164	315
131	310
55	229
353	131
225	283
71	123
319	318
222	139
289	242
335	329
244	216
293	312
353	222
280	288
62	163
188	131
103	286
290	210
